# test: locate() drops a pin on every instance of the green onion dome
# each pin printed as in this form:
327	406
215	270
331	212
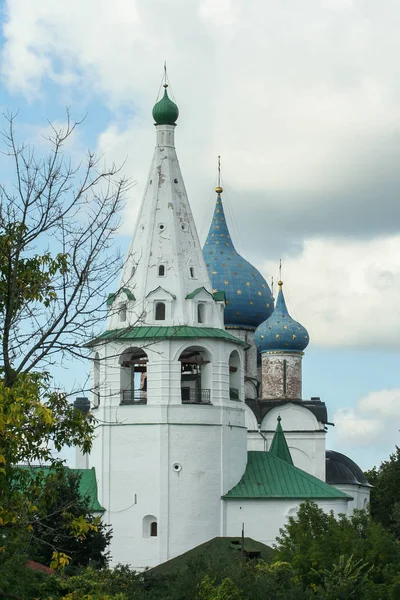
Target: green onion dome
165	112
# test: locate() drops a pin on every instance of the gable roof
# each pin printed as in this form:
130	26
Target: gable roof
127	291
216	549
268	477
279	446
197	291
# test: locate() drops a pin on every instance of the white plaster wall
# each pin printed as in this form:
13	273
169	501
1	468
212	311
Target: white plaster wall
262	519
306	437
165	234
164	458
359	493
250	358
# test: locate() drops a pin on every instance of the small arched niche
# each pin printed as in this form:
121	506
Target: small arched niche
133	376
201	312
122	311
149	526
195	376
96	379
159	311
234	375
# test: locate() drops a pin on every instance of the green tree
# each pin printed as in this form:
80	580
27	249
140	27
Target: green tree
315	541
385	500
60	503
57	224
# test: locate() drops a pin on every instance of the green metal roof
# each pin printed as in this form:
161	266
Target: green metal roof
195	292
87	483
279	445
88	487
218	296
111	297
267	476
159	333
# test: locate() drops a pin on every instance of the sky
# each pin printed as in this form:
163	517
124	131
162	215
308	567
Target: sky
301	98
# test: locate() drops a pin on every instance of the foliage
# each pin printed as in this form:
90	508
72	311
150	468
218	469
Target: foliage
344	580
57	224
34	421
64	528
315	541
385	500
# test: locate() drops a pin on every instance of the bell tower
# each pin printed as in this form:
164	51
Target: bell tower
170	439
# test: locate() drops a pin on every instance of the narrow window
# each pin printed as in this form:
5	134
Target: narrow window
133	271
161	270
192	272
284	376
201	309
160	311
122	312
153	529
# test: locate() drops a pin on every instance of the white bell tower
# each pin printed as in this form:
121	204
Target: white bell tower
167	381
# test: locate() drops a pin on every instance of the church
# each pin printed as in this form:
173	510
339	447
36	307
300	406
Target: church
201	429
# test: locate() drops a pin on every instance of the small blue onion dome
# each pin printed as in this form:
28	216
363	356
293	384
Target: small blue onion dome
248	298
165	112
280	332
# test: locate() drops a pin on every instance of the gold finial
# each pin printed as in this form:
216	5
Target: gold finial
219	189
280	282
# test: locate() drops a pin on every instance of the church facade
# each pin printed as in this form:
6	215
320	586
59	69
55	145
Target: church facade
201	428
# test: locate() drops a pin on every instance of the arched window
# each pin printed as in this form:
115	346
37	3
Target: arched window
96	379
133	270
195	376
149	526
133	376
234	376
161	270
122	312
160	311
192	272
201	313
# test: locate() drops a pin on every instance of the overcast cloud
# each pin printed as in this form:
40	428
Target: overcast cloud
300	98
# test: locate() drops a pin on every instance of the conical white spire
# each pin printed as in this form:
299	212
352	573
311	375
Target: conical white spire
165	263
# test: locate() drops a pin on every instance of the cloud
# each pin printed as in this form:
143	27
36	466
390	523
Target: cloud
300	99
374	422
345	292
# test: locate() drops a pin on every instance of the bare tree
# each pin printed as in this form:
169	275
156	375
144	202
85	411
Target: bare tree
57	225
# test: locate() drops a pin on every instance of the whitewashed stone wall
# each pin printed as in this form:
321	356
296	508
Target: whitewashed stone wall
273	379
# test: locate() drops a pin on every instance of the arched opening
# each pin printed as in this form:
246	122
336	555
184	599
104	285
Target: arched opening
195	376
192	272
133	376
201	312
122	312
96	379
160	311
234	375
149	526
161	270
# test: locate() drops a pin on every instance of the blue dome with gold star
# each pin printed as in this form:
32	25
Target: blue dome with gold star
248	297
280	332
